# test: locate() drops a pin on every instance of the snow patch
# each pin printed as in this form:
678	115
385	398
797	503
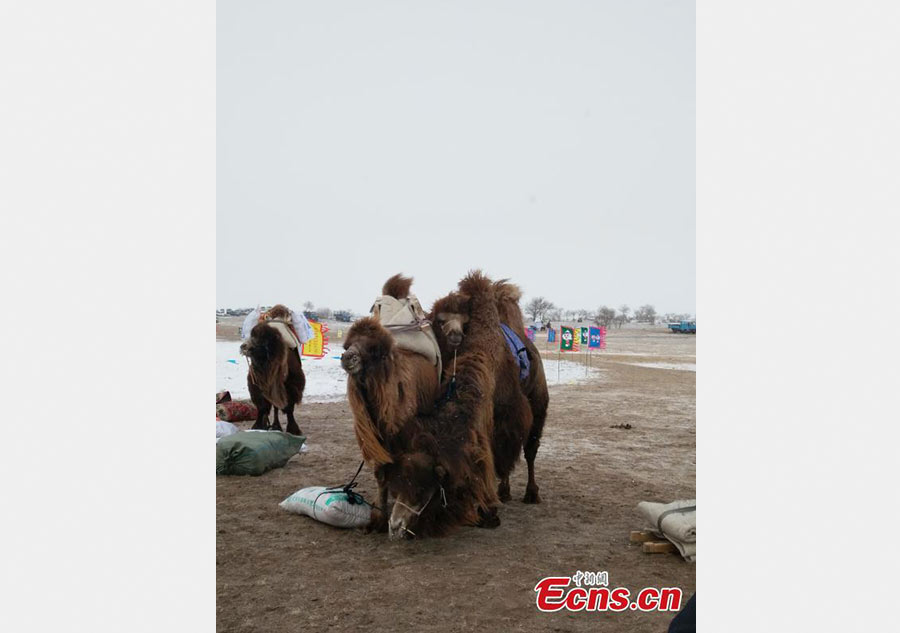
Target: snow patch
676	366
326	380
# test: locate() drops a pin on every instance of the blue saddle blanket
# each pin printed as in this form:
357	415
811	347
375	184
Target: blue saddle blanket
518	351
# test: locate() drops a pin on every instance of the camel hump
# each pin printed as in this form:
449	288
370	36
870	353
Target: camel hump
506	291
397	286
476	283
508	296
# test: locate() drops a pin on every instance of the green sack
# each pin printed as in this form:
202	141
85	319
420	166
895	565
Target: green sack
255	452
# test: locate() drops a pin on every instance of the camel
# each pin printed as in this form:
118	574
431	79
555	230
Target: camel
445	477
276	376
387	387
514	428
481	394
534	386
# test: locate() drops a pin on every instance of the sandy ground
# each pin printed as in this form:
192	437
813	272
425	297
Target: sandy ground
282	572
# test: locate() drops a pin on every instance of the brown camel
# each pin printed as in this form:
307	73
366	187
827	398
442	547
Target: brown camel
445	478
519	408
387	387
480	387
276	376
534	386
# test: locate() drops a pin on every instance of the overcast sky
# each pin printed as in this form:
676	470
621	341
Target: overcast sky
548	142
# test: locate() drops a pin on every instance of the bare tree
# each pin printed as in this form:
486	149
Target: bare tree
582	314
645	314
624	310
604	316
538	308
324	313
675	317
308	306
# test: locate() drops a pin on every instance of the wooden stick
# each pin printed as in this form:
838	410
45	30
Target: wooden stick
642	536
658	547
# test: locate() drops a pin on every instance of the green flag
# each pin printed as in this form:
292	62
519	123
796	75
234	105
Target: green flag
567	340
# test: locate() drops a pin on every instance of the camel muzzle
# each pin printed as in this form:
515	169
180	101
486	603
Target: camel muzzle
350	361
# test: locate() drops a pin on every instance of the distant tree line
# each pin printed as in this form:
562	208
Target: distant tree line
309	311
538	309
544	310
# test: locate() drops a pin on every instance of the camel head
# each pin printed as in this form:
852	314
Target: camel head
450	316
263	346
367	346
417	482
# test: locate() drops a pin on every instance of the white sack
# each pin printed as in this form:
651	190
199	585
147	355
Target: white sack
224	429
249	322
304	329
328	505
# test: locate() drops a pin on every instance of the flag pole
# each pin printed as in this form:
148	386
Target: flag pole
558	355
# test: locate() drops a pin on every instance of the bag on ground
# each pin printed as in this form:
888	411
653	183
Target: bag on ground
224	429
255	452
329	505
236	411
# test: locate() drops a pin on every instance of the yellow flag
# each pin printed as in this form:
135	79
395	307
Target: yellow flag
316	345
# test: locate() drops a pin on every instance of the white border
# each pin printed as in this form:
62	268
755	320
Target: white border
107	156
797	163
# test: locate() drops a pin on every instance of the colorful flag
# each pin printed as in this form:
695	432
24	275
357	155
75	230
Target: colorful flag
594	338
530	333
567	342
584	336
551	335
317	346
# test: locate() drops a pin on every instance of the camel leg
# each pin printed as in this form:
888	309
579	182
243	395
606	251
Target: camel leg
262	414
503	490
379	519
292	427
276	425
531	449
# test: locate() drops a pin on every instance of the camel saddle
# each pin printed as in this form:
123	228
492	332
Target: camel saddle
286	330
406	322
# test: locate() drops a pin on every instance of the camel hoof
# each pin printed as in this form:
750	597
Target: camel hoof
503	494
531	496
